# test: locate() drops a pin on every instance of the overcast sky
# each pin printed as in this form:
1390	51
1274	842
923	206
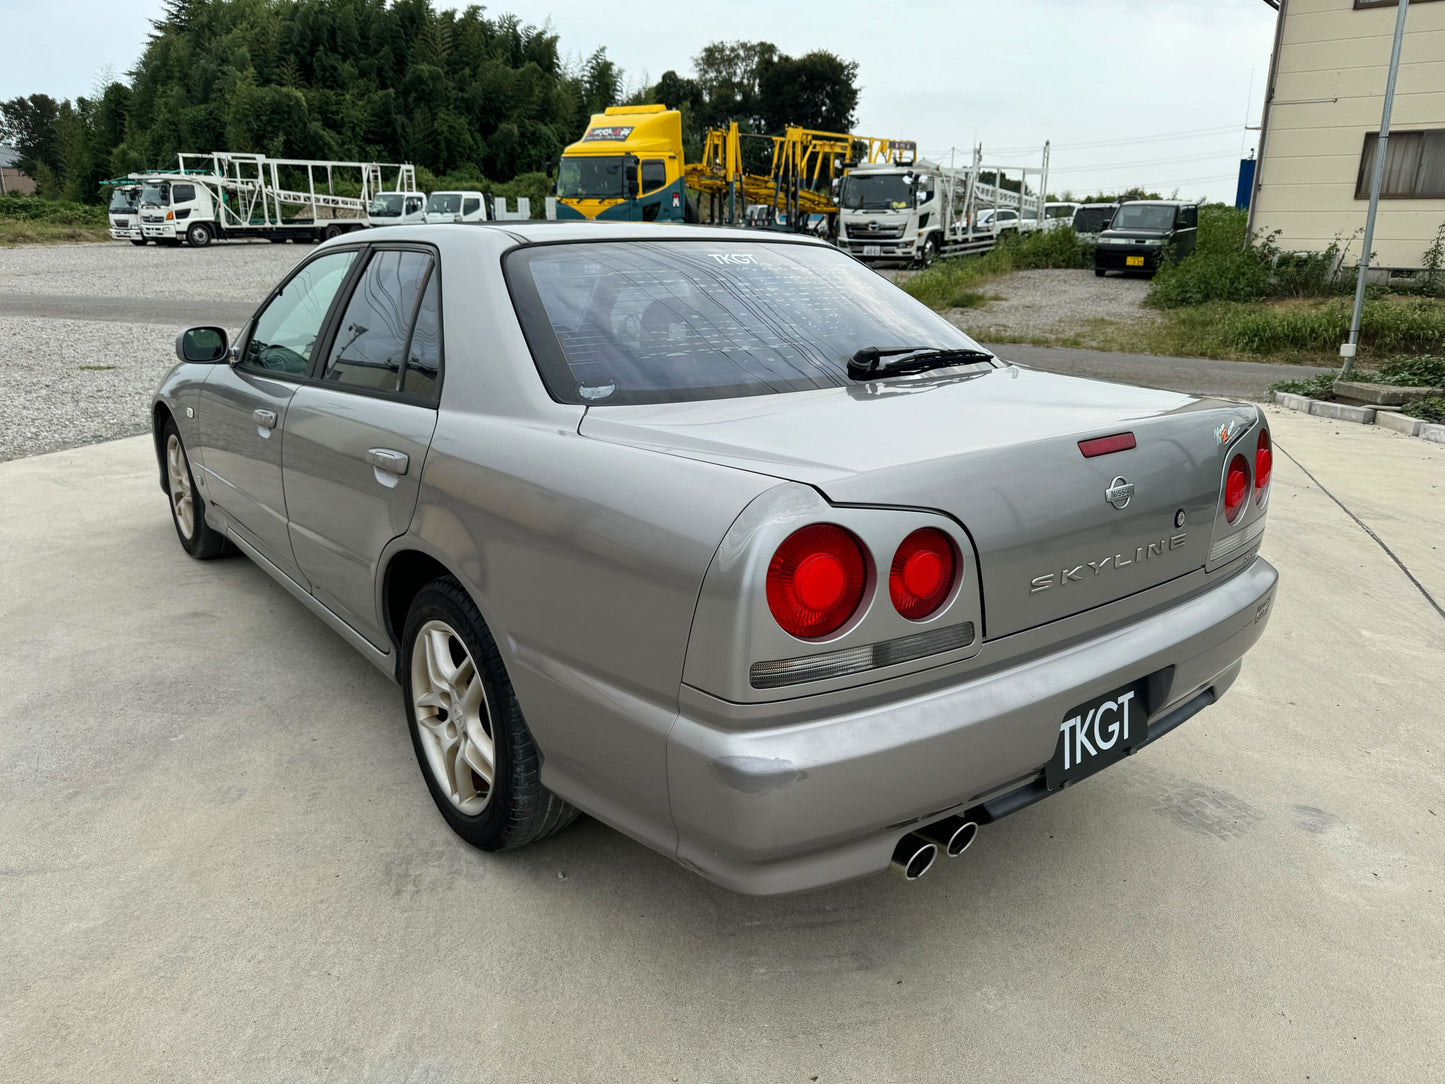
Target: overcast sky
1147	92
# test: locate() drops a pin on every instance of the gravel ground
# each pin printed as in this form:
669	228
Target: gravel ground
1049	303
230	271
54	402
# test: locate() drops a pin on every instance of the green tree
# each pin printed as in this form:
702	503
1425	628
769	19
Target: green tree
817	90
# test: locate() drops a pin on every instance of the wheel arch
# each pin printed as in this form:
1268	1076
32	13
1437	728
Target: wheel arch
407	571
160	414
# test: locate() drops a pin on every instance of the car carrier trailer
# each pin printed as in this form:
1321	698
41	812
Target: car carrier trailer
225	195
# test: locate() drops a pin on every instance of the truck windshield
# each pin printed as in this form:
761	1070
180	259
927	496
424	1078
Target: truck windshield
661	322
590	177
124	199
156	195
1143	216
386	205
877	192
444	203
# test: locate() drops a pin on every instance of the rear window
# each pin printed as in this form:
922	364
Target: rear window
670	321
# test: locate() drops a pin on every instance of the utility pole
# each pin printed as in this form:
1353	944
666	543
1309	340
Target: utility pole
1347	349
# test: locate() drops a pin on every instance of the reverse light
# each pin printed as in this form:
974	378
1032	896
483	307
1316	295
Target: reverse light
1263	463
815	580
1236	487
922	573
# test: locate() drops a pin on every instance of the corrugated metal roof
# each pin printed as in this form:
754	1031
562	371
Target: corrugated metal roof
8	157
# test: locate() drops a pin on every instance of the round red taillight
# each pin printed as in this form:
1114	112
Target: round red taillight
922	573
1263	462
1236	486
815	580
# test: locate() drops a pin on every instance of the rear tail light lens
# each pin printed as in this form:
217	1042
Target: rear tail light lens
1263	462
815	580
1236	488
922	573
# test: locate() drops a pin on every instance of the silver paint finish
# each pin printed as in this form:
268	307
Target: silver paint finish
616	554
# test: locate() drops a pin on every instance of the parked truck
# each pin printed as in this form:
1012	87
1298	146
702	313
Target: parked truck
124	212
225	195
627	166
914	211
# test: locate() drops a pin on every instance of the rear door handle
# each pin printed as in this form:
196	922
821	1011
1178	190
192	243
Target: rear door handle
384	459
266	419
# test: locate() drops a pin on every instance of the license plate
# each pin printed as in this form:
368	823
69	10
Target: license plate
1096	734
1133	261
872	250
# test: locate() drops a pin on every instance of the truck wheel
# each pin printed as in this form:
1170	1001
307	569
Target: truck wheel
331	232
198	235
1098	272
930	252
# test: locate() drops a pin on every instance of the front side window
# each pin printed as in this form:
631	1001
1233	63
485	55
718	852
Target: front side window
591	177
288	327
414	205
653	322
444	203
371	339
1188	218
471	205
1414	165
654	174
183	193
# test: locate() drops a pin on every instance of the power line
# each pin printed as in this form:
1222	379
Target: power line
1143	163
1127	140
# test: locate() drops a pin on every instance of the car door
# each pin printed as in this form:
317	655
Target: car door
243	406
358	433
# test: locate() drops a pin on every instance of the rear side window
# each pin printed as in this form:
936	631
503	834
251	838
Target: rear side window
424	357
656	322
371	340
1188	218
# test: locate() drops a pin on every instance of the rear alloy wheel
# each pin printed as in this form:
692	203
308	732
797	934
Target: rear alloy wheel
475	751
198	235
188	510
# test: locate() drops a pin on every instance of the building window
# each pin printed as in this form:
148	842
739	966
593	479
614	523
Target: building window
1414	166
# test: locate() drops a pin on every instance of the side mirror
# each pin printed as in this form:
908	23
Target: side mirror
202	345
629	178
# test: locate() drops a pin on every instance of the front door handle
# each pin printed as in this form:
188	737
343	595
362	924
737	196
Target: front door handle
384	459
266	419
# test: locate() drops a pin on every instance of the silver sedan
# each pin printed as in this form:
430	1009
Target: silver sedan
718	537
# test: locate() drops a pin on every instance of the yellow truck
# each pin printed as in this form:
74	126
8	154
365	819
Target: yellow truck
628	167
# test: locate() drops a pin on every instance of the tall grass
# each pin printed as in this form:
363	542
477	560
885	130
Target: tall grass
29	220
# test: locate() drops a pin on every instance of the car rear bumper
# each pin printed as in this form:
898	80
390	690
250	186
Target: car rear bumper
824	800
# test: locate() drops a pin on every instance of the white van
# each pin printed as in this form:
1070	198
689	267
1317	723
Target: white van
456	207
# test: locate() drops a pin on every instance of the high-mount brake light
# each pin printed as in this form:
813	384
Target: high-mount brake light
922	574
1263	464
815	580
1236	488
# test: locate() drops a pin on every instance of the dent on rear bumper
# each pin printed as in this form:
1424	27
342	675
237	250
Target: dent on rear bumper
824	801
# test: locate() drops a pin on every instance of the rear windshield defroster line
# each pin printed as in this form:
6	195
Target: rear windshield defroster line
625	322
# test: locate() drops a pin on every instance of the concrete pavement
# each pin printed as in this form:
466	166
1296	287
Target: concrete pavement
218	859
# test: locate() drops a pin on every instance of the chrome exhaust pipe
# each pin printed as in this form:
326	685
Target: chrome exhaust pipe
913	857
954	835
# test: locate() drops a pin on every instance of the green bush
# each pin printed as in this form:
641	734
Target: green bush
50	212
1316	387
1427	371
1430	409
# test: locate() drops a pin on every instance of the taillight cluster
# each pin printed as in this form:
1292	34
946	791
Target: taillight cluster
816	579
1263	463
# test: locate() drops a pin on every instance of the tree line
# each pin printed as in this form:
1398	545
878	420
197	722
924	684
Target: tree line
461	95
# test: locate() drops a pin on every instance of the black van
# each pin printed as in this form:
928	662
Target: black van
1143	231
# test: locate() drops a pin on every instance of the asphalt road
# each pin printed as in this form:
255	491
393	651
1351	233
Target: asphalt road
218	859
182	312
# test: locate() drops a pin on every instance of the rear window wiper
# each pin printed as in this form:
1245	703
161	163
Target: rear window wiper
868	362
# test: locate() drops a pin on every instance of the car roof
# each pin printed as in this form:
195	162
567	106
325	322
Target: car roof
1158	203
544	231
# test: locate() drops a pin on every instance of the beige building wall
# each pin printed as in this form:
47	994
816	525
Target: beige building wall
15	183
1310	157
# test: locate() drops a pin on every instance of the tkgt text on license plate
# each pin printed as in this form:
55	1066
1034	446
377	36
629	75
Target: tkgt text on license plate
1134	261
1097	733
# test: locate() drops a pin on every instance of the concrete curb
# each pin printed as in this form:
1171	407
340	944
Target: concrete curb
1400	423
1435	433
1341	413
1293	402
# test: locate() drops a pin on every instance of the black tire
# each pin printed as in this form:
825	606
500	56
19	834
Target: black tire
198	235
331	232
169	242
201	542
138	242
689	211
1098	272
519	809
930	252
277	240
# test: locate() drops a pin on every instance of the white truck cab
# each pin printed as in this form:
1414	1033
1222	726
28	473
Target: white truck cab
458	206
124	214
888	211
174	208
397	209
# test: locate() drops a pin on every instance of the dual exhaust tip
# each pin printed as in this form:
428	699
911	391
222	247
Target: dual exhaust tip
916	852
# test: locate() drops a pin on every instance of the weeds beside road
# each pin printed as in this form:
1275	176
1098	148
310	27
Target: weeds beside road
1228	300
26	220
